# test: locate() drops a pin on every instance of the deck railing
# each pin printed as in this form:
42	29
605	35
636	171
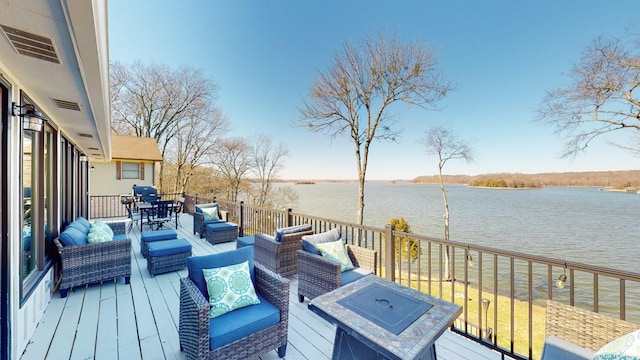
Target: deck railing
113	206
503	293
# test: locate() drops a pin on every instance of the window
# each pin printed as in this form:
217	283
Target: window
130	170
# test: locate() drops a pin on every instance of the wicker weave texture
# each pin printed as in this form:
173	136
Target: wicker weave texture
93	263
221	236
280	257
582	327
162	264
317	275
194	321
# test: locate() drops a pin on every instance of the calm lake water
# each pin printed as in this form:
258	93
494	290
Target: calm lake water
573	224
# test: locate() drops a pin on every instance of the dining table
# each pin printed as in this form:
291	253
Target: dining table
144	207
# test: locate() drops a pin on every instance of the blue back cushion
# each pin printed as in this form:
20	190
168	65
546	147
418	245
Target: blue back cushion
199	207
309	241
83	222
73	237
195	264
291	230
79	226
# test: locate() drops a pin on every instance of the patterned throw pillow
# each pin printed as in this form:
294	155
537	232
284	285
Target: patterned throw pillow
210	213
335	251
624	347
99	234
104	226
229	288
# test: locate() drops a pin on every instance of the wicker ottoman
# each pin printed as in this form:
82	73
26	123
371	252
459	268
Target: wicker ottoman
245	241
168	255
221	232
157	235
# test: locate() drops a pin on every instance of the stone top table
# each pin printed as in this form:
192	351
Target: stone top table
382	308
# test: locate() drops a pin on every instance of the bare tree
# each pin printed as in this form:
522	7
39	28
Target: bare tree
196	139
233	160
602	96
354	96
267	164
153	101
446	146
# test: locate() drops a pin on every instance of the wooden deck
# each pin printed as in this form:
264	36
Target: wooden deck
140	320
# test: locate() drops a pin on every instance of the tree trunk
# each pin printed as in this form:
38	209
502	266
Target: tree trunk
447	263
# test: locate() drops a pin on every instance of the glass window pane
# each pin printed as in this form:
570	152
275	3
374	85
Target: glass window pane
28	245
130	170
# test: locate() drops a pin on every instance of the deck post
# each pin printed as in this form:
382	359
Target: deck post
390	253
289	220
241	222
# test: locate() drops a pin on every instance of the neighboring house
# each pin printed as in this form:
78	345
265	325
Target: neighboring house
54	66
133	162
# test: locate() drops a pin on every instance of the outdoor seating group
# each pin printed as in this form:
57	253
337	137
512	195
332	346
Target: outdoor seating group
206	214
92	253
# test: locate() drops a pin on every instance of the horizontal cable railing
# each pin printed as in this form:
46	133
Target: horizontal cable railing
503	293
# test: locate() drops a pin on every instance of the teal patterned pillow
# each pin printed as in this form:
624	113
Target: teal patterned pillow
211	213
99	234
335	251
229	288
624	347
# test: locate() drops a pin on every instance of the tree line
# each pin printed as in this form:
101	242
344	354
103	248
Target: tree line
621	180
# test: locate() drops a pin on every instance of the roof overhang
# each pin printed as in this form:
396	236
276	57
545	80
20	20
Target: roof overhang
74	91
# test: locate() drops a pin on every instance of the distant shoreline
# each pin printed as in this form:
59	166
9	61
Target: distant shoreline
623	180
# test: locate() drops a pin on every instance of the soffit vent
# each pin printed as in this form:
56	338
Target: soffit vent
85	135
69	105
30	44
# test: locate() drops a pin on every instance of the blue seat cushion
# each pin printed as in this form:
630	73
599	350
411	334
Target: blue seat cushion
168	247
157	235
120	236
73	237
291	230
309	241
242	322
352	275
220	226
195	264
246	240
556	348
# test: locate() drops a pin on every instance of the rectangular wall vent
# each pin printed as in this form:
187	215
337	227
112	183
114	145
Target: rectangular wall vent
85	135
69	105
30	44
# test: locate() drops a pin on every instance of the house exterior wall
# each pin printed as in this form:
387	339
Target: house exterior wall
103	179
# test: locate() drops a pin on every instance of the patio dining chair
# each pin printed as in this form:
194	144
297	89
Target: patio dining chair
134	217
160	213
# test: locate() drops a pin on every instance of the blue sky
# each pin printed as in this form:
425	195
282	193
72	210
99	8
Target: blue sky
503	56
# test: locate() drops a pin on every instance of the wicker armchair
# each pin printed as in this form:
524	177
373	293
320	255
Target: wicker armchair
93	263
200	225
281	256
194	328
575	333
317	275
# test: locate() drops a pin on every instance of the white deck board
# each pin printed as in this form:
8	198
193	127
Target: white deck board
140	320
